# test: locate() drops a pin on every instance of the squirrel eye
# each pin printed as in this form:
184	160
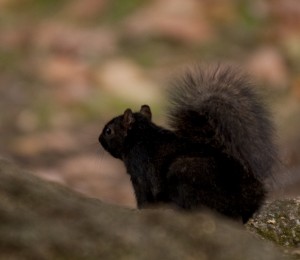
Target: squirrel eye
108	131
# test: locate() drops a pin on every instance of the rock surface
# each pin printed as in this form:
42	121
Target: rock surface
43	220
279	221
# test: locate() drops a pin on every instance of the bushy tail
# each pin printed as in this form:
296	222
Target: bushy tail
219	106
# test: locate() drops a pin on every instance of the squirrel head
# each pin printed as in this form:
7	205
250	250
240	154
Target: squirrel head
115	132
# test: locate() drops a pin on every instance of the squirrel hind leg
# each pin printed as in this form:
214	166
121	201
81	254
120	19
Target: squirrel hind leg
186	184
198	182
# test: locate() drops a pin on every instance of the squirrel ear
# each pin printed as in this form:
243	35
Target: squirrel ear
128	119
146	111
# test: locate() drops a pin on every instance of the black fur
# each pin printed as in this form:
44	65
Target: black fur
220	107
218	155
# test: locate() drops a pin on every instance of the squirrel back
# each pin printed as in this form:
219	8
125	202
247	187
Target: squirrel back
218	106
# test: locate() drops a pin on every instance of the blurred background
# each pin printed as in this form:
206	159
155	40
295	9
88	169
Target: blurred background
68	66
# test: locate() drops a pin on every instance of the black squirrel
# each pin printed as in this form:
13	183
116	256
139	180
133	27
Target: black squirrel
218	154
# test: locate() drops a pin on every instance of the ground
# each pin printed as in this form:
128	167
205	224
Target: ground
66	67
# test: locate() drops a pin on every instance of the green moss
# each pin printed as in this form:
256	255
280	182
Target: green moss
279	222
37	7
249	18
119	9
10	60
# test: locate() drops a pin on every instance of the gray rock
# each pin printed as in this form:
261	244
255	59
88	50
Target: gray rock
279	221
42	220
